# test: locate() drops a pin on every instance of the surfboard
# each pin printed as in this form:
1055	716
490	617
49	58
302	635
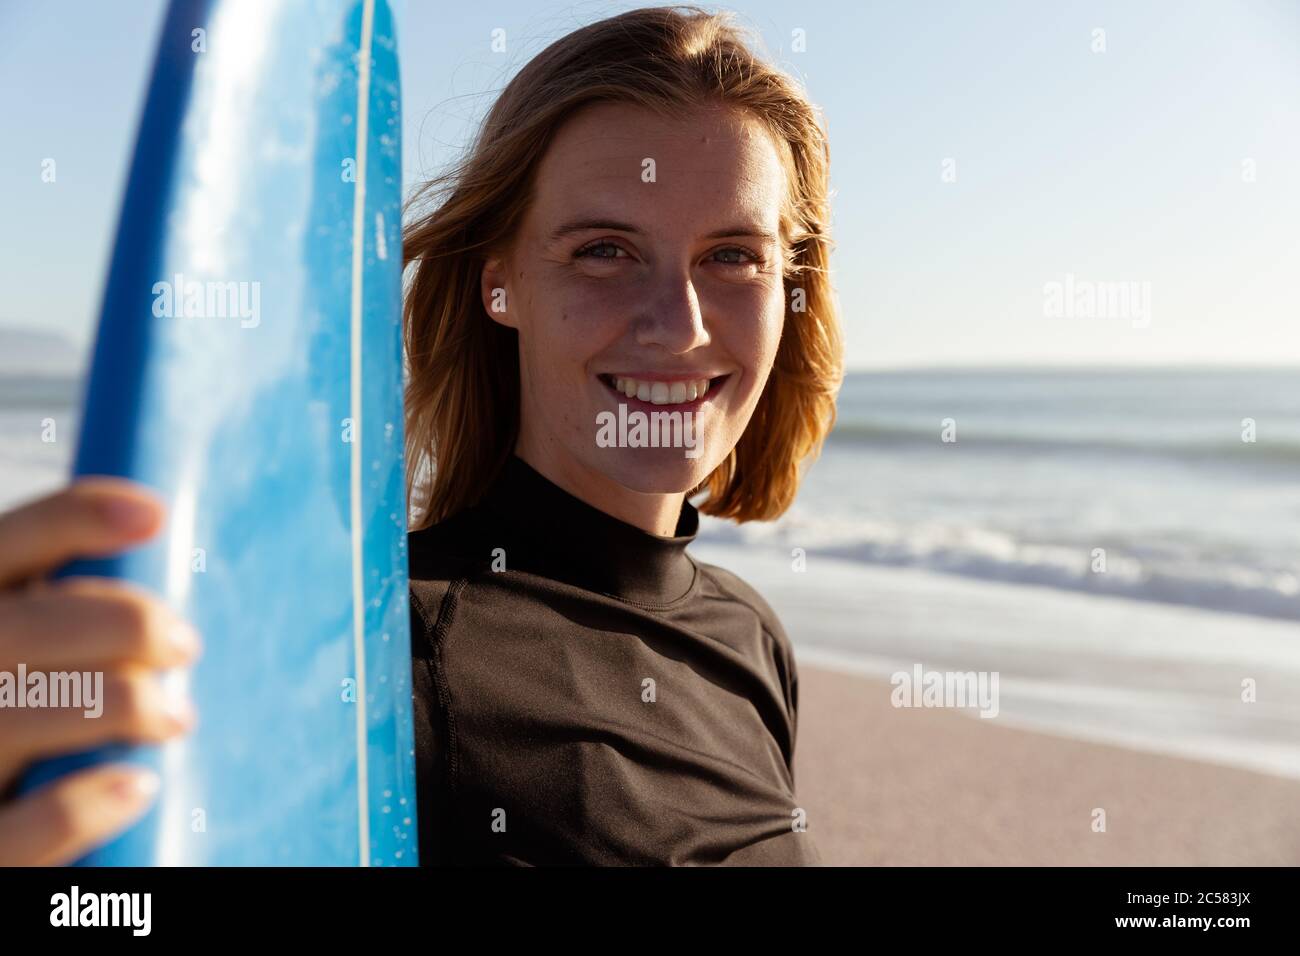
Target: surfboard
248	367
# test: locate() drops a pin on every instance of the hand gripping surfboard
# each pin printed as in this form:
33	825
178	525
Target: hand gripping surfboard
248	367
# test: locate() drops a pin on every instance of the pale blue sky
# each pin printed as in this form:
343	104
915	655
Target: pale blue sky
1122	165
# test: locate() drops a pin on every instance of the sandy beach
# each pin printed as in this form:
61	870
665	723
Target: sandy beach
914	786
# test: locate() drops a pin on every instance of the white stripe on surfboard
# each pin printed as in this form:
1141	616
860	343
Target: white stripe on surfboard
358	568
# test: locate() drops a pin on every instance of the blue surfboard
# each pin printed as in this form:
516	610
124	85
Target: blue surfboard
248	367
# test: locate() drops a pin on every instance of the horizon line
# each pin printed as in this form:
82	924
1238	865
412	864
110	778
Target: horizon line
1005	365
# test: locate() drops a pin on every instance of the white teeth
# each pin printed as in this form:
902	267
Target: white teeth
662	393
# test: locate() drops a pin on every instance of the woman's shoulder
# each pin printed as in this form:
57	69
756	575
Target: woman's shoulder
442	553
733	587
450	548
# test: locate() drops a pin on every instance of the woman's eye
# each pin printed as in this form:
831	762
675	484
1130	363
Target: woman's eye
611	251
588	251
753	259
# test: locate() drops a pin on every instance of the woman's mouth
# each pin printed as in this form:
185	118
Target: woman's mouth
682	394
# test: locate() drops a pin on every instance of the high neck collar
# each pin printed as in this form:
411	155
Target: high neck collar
564	538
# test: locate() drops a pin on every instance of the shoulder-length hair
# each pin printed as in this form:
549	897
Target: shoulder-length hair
462	396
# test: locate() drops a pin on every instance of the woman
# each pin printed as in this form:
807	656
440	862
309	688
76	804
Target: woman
638	231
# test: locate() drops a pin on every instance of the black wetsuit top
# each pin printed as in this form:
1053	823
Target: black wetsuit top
588	693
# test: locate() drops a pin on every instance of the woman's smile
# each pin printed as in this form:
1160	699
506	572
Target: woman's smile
653	391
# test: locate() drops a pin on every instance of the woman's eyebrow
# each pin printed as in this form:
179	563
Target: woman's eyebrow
580	225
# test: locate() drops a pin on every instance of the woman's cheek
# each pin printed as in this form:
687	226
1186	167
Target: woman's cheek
773	326
602	315
755	334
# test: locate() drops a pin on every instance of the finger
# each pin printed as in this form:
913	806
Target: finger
64	819
127	706
93	517
91	623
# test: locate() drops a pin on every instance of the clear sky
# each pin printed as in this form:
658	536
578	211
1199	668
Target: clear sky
1172	159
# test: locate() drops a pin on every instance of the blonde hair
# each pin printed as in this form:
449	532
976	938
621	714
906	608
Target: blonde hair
462	397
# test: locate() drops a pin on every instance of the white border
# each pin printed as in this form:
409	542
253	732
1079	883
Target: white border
358	567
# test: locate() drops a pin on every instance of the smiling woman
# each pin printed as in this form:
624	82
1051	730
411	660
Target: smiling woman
641	224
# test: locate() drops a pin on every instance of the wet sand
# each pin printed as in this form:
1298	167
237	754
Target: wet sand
915	786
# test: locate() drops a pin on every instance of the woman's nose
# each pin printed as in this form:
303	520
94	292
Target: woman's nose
673	318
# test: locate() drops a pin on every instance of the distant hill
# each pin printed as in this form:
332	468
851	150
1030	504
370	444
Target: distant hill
31	352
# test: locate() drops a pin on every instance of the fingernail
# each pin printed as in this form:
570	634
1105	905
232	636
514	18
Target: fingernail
185	637
177	704
128	514
137	785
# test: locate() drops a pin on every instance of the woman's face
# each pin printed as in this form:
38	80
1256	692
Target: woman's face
648	264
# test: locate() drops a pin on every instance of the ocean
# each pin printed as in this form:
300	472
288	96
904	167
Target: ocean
1148	466
35	457
986	553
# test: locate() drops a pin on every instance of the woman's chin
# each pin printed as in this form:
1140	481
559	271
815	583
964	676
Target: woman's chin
656	471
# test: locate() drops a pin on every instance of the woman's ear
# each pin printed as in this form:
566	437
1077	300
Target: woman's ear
492	288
